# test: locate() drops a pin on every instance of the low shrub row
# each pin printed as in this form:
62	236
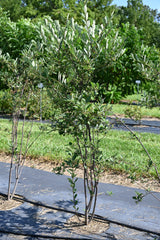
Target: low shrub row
39	104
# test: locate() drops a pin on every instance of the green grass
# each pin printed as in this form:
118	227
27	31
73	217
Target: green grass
48	145
126	154
146	112
122	152
134	97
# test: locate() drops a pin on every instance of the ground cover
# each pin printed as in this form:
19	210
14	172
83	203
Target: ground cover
122	152
145	112
120	108
134	97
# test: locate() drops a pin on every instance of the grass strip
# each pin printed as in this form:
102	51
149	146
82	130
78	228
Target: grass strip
122	152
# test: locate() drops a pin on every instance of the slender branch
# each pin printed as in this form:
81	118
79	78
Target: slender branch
95	201
14	145
85	194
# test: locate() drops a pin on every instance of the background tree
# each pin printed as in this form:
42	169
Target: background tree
13	7
32	8
142	17
57	9
15	36
97	10
38	8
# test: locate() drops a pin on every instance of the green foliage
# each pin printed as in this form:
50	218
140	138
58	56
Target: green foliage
82	66
144	18
18	76
133	112
147	63
15	36
71	164
57	9
114	62
152	97
85	121
13	7
139	196
38	8
146	112
31	8
5	102
33	106
99	49
72	182
82	114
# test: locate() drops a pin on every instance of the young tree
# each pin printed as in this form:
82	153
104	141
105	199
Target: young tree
13	7
20	81
71	55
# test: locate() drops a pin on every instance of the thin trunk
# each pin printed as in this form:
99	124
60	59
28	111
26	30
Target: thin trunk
10	177
14	135
20	162
95	202
85	194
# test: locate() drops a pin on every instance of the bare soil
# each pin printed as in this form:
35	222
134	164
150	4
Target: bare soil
6	204
77	225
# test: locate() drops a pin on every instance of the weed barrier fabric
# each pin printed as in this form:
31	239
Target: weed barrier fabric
154	130
137	126
54	190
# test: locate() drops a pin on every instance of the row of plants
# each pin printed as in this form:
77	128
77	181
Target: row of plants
69	61
40	105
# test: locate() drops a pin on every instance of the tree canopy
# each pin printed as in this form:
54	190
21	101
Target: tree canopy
119	72
57	9
142	17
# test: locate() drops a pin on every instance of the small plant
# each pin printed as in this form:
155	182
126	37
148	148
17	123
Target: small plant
133	112
72	182
138	197
151	98
71	164
150	160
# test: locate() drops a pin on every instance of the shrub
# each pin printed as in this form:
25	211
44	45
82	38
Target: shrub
133	112
5	101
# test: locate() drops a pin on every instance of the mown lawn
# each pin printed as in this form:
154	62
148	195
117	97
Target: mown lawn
145	112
